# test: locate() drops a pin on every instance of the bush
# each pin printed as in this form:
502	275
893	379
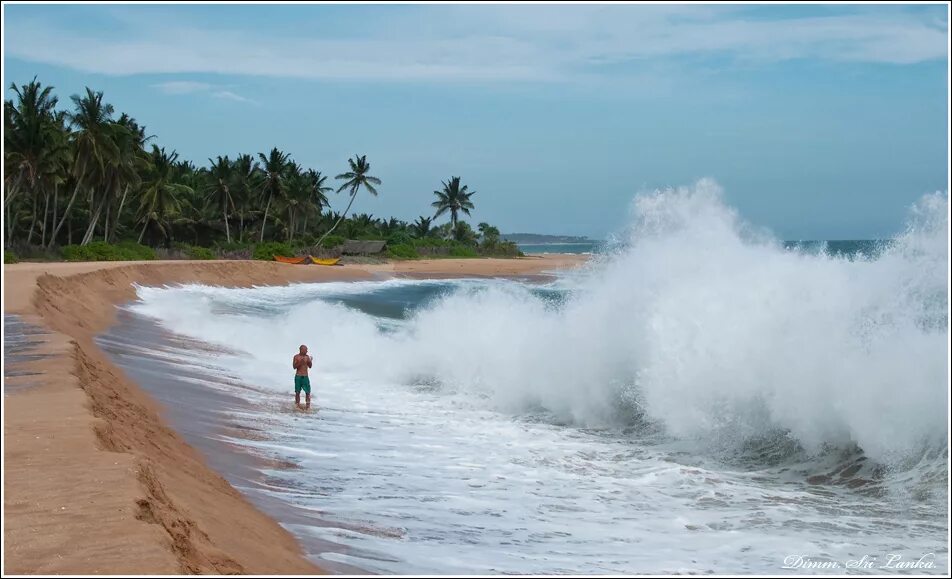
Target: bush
400	238
333	241
233	246
267	250
501	249
463	251
434	242
199	252
130	250
402	251
102	251
10	257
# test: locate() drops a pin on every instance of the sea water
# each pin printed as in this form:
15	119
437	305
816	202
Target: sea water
702	398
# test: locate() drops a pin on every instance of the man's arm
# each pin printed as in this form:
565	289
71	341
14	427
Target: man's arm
310	361
294	362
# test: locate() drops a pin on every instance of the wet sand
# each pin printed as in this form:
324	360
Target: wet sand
97	481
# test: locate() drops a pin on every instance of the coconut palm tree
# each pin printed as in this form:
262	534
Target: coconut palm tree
136	162
296	196
488	231
274	166
120	175
247	174
55	174
28	136
317	191
354	179
421	227
33	150
454	199
93	146
221	173
159	200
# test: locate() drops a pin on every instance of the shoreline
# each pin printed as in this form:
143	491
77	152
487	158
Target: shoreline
96	481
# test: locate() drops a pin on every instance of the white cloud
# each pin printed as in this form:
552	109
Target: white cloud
486	43
228	95
182	87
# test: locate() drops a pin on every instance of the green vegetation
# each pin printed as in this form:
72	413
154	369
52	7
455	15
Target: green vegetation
79	179
463	252
102	251
198	252
332	241
403	251
266	251
10	257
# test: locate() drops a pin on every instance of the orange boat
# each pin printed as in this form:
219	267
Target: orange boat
295	260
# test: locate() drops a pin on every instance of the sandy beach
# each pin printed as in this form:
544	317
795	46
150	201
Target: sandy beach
96	481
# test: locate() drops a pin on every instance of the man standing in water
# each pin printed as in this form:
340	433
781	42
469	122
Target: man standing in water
302	361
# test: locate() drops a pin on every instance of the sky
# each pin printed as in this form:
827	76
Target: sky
819	121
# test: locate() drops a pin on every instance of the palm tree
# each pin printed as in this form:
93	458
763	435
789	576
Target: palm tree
29	131
296	196
355	178
160	193
56	173
120	175
93	145
33	148
221	172
421	227
488	231
136	162
317	192
274	166
454	199
246	175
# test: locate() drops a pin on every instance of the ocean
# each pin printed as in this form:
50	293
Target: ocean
542	248
700	398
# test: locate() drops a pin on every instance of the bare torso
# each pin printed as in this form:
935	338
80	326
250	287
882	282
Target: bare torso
301	363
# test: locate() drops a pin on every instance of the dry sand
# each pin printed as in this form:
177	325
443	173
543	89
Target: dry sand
95	481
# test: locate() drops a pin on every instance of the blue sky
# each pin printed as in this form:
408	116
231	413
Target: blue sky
818	121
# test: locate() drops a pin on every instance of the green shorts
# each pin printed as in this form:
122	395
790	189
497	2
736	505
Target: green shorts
302	383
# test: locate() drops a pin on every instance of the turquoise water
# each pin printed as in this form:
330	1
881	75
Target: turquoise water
536	248
841	247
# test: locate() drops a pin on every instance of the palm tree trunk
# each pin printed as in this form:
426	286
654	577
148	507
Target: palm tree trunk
55	203
265	222
88	236
9	215
142	233
339	219
66	215
12	193
122	202
46	212
29	237
304	229
227	230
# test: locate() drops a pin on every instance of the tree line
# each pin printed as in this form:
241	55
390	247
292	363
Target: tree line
81	175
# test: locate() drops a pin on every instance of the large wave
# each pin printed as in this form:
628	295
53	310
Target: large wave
698	323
